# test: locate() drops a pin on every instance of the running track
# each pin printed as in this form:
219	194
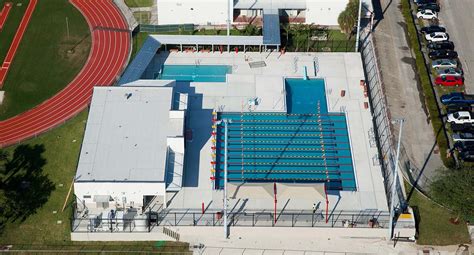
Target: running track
16	41
107	59
4	14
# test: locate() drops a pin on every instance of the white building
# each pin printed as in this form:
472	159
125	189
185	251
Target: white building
133	149
214	12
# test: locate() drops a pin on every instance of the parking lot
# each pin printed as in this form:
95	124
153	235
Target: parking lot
457	16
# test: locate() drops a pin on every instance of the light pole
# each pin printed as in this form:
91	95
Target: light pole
228	17
225	122
358	26
395	178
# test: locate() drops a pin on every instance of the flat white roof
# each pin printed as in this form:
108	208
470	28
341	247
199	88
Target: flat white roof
126	135
209	39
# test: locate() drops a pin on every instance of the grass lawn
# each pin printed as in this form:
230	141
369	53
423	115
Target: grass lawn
138	41
336	42
139	3
143	17
433	224
42	65
37	179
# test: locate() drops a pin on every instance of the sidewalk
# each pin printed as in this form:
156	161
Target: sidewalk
245	240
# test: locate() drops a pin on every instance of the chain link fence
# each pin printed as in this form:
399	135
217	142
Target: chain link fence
166	28
381	117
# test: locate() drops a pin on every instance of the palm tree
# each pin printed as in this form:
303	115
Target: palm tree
302	34
348	18
286	30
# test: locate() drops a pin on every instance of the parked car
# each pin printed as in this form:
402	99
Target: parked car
462	117
437	36
432	29
421	2
429	6
444	63
467	155
427	14
443	45
449	80
469	128
464	137
457	98
461	146
458	107
452	71
437	54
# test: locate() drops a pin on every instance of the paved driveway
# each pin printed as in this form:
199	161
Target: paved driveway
402	90
458	17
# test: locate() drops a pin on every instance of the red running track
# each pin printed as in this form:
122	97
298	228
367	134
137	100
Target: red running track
4	14
16	41
107	59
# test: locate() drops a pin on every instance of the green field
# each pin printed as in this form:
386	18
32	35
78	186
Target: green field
35	181
139	3
42	65
433	225
143	17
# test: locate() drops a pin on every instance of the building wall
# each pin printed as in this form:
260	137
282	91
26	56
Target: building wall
324	12
213	12
133	192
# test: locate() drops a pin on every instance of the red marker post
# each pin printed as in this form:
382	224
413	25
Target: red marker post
275	197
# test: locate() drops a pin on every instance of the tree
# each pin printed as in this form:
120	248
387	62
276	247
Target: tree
455	189
24	188
348	18
286	30
302	35
250	30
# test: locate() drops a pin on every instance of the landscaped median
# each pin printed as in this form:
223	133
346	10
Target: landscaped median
428	89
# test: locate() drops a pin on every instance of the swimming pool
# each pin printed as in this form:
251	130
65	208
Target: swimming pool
306	144
305	96
195	73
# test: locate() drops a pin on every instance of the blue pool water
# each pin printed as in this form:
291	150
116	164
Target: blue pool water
305	145
195	73
305	96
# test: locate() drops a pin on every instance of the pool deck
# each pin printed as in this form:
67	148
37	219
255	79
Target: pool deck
341	71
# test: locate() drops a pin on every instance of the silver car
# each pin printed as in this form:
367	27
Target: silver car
463	137
452	71
444	63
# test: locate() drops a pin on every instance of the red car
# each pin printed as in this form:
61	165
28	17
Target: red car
449	80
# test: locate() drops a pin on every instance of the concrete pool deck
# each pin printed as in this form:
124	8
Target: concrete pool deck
341	71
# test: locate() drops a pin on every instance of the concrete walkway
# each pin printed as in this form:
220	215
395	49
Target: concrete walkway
246	240
403	91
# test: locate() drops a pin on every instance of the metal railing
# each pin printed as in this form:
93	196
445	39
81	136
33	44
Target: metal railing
148	222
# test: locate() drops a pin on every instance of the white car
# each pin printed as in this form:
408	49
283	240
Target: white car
426	14
444	63
437	37
462	117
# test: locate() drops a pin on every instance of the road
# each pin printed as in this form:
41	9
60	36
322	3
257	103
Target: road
458	18
402	90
